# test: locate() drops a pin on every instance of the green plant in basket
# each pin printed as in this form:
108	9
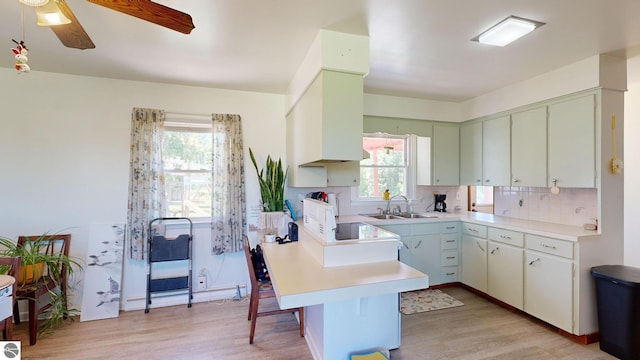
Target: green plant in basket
36	262
272	181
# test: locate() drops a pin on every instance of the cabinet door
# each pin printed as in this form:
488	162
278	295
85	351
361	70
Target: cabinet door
471	154
343	174
496	152
404	231
474	262
529	147
548	289
426	256
505	273
446	155
572	142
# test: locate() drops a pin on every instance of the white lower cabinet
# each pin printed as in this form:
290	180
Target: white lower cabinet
548	277
505	279
431	248
474	256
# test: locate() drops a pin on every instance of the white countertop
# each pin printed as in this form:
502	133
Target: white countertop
299	280
558	231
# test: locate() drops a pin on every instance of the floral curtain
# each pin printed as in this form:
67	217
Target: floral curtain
146	178
228	215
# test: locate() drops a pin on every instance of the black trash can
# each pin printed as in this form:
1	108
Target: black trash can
618	303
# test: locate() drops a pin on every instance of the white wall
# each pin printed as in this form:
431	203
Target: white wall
64	157
632	166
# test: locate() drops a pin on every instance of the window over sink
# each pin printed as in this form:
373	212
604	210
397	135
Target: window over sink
387	166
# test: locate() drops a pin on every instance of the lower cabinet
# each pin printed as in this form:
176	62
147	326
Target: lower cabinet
431	248
505	279
548	277
474	256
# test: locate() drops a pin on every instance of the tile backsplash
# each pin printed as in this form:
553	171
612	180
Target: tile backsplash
572	206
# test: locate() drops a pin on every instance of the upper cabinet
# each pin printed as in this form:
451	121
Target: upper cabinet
572	150
325	129
471	154
485	153
496	145
529	147
445	155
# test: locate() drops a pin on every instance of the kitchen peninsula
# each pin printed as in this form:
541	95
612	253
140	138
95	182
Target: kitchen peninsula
348	308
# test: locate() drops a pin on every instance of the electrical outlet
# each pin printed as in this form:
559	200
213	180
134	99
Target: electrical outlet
202	282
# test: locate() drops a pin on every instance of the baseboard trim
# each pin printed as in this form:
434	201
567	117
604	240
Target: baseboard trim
180	298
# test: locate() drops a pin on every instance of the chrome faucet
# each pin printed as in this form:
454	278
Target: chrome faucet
408	206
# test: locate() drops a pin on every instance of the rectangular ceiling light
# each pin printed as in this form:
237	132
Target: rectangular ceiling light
508	30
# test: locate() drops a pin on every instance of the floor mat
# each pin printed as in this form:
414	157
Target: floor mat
418	301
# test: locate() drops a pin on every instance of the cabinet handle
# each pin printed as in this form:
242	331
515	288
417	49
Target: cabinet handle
450	227
515	180
418	244
449	274
552	247
450	241
505	237
478	180
534	261
472	230
487	181
494	251
451	257
480	246
403	244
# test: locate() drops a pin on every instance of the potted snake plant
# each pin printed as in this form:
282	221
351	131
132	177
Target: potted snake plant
272	181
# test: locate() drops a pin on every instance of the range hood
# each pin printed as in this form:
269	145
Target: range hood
334	124
325	105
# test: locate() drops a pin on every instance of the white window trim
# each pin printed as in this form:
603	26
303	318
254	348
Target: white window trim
193	123
410	158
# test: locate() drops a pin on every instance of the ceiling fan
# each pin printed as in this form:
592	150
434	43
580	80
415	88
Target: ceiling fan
72	34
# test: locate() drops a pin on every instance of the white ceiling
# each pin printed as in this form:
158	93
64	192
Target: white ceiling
419	48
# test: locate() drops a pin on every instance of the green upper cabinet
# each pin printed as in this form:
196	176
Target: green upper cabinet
572	150
471	154
529	147
445	155
496	145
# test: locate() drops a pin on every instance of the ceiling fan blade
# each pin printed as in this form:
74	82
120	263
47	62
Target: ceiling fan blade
152	12
71	35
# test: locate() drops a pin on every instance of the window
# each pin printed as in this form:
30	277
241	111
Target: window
186	156
386	167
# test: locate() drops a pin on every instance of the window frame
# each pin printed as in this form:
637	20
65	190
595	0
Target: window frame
409	170
194	126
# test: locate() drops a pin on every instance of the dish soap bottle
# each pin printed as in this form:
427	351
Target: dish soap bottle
385	195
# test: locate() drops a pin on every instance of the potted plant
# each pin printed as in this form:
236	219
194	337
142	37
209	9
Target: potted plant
272	180
33	262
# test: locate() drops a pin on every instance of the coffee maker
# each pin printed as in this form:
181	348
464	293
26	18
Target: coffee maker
440	205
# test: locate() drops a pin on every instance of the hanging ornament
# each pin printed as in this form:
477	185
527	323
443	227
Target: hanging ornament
21	59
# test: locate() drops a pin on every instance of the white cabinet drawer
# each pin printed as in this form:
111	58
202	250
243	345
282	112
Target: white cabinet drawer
450	227
449	241
449	258
425	229
514	238
449	274
549	246
474	230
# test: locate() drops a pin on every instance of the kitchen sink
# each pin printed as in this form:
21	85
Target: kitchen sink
384	216
416	216
400	216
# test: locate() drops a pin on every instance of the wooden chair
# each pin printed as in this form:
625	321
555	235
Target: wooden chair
33	293
14	268
262	290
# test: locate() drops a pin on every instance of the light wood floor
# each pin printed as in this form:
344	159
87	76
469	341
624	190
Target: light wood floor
219	330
